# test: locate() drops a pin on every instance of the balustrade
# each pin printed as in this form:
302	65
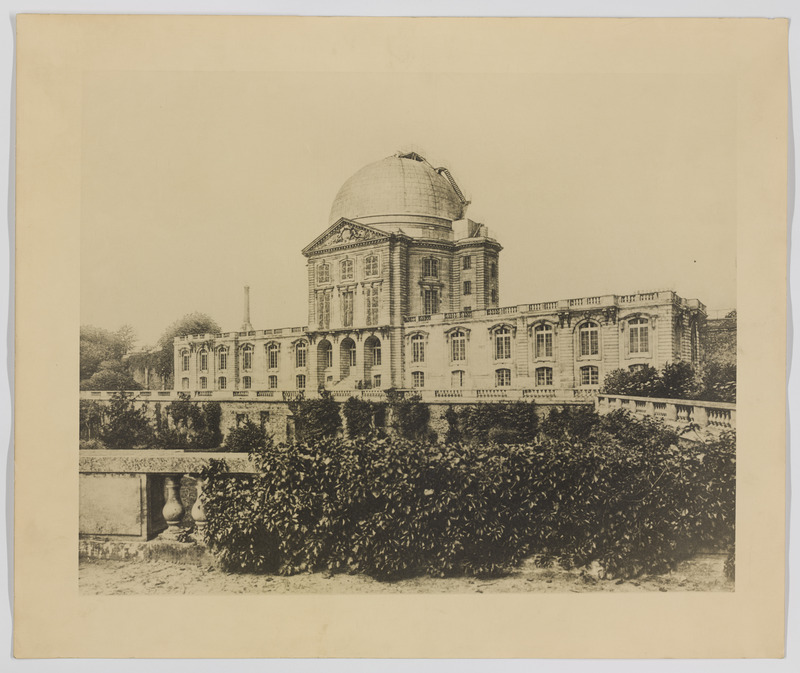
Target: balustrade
715	416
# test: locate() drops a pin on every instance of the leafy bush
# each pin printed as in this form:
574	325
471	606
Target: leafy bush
716	382
193	425
316	419
91	419
91	445
622	495
410	415
362	416
501	422
126	427
247	438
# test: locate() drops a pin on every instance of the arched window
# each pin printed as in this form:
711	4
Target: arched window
503	378
590	376
430	267
588	335
273	382
346	269
185	361
371	265
457	379
418	348
324	273
502	344
222	383
458	346
185	383
203	360
418	379
372	351
544	376
638	337
223	358
543	340
247	357
273	352
203	383
300	352
247	382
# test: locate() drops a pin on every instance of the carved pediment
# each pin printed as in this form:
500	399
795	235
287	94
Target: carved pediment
343	233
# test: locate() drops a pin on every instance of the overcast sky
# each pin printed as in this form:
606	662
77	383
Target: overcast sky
195	184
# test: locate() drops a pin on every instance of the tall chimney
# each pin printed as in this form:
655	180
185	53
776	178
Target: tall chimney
246	326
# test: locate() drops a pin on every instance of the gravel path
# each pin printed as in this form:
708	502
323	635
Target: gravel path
703	573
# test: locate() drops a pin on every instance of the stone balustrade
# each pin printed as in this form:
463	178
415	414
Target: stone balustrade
136	494
577	304
711	416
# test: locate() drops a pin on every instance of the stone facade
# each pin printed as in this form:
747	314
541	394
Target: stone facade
403	292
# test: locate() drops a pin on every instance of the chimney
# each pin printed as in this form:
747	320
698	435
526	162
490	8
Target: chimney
246	326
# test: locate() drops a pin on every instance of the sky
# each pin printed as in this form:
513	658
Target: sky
197	183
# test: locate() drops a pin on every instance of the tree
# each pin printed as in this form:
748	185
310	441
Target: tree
191	323
127	427
98	346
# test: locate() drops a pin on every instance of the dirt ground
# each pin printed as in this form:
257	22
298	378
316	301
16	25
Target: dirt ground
702	573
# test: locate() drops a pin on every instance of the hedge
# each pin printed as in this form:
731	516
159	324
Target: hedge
618	492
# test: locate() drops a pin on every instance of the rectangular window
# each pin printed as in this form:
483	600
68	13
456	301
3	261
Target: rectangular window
418	379
185	384
203	382
502	346
203	361
185	362
544	376
347	269
247	358
431	301
347	309
376	356
467	287
466	262
324	309
301	381
430	267
457	379
223	360
371	265
503	378
376	381
273	382
417	349
544	343
247	382
323	273
639	342
589	340
272	356
371	298
223	383
589	376
459	349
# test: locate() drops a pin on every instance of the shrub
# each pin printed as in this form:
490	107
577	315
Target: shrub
247	438
194	425
362	416
410	415
91	419
91	445
126	426
316	419
719	382
502	422
623	495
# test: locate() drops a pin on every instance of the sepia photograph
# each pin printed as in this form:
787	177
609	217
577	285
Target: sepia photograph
400	337
405	342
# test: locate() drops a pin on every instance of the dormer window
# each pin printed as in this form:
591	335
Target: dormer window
430	267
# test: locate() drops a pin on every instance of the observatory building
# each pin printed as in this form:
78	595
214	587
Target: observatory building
404	292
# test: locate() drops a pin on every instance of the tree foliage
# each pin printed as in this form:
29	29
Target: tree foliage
715	382
126	425
410	415
362	417
316	419
191	323
249	437
101	353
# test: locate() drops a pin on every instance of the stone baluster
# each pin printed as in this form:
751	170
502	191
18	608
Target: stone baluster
198	511
173	510
700	416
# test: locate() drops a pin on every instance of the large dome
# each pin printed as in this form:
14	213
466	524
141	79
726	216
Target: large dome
401	189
